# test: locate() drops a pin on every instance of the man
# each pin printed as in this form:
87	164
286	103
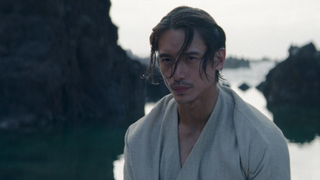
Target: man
201	130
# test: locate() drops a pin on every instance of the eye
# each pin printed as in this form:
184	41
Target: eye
165	60
191	58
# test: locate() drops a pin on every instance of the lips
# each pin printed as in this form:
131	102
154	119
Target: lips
180	89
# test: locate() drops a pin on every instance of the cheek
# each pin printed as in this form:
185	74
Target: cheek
163	75
166	82
209	78
165	72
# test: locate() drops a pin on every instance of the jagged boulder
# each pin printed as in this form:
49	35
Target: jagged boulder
295	80
295	84
244	86
60	62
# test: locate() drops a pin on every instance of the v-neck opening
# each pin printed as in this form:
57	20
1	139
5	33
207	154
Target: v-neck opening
212	122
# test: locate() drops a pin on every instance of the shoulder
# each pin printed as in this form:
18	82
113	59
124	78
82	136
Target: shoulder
261	144
249	120
149	124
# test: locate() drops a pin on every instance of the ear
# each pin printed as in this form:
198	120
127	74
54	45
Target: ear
219	58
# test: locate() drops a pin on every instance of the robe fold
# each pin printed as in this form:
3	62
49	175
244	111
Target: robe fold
237	142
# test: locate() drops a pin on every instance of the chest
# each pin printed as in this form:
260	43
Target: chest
203	159
186	144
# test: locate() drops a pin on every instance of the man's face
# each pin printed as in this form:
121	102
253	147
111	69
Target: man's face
186	85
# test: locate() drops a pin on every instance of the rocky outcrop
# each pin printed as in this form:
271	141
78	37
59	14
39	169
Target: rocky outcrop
295	84
232	63
60	62
244	86
295	80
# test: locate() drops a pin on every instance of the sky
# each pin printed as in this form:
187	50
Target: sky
254	29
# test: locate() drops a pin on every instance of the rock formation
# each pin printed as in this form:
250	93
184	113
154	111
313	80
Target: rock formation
60	62
295	84
244	86
295	80
232	63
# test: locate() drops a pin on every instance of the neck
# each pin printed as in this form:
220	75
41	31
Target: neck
196	114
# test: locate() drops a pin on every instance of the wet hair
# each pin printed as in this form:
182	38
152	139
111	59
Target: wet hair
189	19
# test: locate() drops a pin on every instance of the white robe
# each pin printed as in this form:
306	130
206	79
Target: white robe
238	142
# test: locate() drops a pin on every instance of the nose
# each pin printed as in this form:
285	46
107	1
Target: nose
180	72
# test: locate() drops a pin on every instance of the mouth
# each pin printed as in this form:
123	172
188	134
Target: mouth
180	89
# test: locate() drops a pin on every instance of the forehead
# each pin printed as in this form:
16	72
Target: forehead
171	41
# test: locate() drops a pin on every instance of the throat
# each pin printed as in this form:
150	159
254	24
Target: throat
187	140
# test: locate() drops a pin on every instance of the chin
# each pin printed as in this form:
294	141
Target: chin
182	99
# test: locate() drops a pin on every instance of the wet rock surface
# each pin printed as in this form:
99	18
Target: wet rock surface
295	80
292	91
60	62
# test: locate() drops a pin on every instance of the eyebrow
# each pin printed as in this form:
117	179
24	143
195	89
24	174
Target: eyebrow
164	55
186	53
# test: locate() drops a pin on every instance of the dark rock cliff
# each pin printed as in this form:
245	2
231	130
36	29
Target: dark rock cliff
292	91
60	62
295	80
